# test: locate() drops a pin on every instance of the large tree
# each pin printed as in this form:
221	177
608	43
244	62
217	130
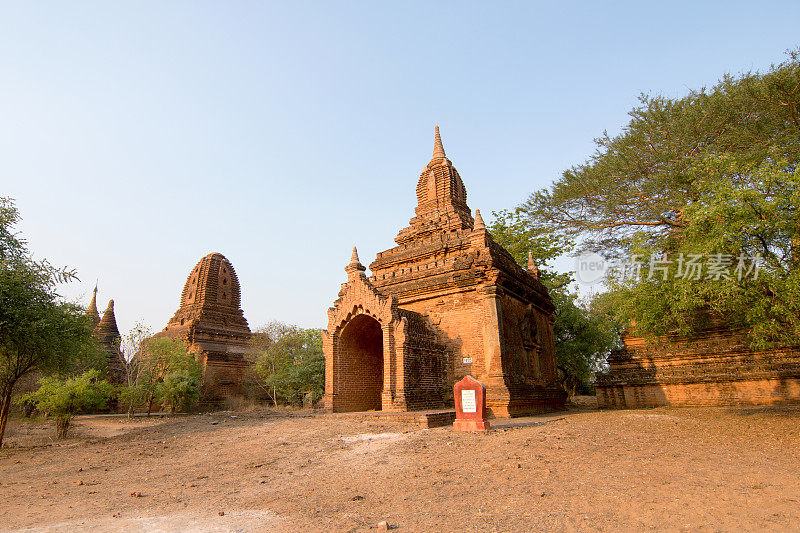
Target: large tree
701	193
38	331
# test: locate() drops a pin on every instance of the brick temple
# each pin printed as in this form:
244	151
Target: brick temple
444	303
715	366
107	334
211	322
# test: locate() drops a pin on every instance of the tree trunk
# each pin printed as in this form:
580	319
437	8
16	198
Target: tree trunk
62	425
275	396
6	407
150	405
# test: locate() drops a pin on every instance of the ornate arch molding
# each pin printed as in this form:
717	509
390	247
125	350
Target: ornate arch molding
359	297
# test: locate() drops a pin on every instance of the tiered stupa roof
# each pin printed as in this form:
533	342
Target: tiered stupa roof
106	329
211	293
441	198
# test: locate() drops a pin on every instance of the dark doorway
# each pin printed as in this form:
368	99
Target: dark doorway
360	369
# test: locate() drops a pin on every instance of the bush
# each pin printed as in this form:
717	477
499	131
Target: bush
180	390
65	398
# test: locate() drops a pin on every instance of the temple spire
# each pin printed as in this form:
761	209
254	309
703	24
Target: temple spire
532	268
479	225
438	149
92	309
108	324
355	266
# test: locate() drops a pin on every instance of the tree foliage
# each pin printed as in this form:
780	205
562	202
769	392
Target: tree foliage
132	393
584	333
180	389
64	398
163	371
38	331
289	362
715	175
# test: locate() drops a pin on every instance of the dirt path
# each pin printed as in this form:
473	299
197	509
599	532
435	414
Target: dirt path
707	469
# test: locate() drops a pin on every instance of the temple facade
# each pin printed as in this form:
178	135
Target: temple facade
716	366
211	322
444	303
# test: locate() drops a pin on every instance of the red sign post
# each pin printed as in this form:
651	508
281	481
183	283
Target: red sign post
470	397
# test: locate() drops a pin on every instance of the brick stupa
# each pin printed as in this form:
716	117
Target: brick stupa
211	322
107	334
91	311
446	302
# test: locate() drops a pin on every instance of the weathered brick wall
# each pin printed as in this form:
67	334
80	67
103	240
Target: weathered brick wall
746	392
527	355
223	377
425	363
456	323
715	367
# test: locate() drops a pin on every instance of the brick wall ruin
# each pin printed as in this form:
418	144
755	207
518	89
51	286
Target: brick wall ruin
714	367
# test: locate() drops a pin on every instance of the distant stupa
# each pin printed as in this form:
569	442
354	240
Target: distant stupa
211	322
107	334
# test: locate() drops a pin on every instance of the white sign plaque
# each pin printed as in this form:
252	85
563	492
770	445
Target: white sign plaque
468	401
466	360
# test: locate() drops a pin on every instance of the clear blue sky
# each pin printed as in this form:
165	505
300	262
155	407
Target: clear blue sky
137	137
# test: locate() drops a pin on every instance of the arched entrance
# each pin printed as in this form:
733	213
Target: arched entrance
360	372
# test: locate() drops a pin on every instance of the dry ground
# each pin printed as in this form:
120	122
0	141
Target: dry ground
677	469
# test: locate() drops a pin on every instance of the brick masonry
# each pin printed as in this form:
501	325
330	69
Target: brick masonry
447	301
714	367
107	334
211	322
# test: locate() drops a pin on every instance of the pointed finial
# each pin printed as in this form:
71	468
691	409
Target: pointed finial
438	149
355	265
92	309
110	305
479	225
532	268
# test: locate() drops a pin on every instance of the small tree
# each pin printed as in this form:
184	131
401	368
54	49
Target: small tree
132	392
289	362
63	398
168	373
38	331
179	389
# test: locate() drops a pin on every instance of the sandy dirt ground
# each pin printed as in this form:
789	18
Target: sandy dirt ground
675	469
